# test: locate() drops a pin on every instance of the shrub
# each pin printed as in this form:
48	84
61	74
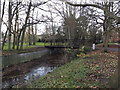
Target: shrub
75	53
87	49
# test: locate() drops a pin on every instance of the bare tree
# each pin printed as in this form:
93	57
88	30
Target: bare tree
16	24
108	15
15	31
23	30
9	23
0	25
10	31
1	19
29	36
25	25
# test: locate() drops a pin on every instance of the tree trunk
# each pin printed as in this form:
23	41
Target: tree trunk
14	41
106	39
4	39
22	39
0	26
35	30
15	29
9	40
33	39
9	24
18	39
24	26
29	39
35	35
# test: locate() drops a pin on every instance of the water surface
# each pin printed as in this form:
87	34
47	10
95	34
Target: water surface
36	69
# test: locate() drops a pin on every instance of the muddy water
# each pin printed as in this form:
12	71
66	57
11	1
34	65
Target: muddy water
24	73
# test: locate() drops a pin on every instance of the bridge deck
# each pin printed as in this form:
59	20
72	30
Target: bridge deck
61	47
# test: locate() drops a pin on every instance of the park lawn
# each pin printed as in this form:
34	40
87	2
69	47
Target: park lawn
42	44
26	46
91	71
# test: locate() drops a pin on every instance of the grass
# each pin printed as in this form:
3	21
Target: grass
71	75
42	44
86	72
26	46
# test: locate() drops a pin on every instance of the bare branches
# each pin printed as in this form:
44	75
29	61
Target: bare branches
3	9
85	5
18	3
97	6
41	3
36	4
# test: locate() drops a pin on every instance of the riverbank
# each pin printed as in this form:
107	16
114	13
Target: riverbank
26	48
94	70
8	60
16	74
11	52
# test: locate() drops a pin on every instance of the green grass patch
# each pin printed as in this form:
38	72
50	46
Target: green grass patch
42	44
70	75
26	45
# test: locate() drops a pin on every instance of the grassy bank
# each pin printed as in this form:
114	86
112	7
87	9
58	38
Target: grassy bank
27	46
92	71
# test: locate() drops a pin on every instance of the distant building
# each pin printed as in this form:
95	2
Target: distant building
114	37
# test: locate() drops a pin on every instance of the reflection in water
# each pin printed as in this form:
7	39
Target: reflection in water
28	77
41	71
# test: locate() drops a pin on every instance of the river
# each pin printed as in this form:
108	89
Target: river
24	73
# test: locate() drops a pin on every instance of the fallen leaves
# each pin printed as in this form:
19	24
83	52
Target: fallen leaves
91	72
103	65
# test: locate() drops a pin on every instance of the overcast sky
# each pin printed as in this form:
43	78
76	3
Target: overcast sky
41	27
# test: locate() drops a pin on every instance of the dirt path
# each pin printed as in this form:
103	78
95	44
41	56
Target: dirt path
109	49
113	48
